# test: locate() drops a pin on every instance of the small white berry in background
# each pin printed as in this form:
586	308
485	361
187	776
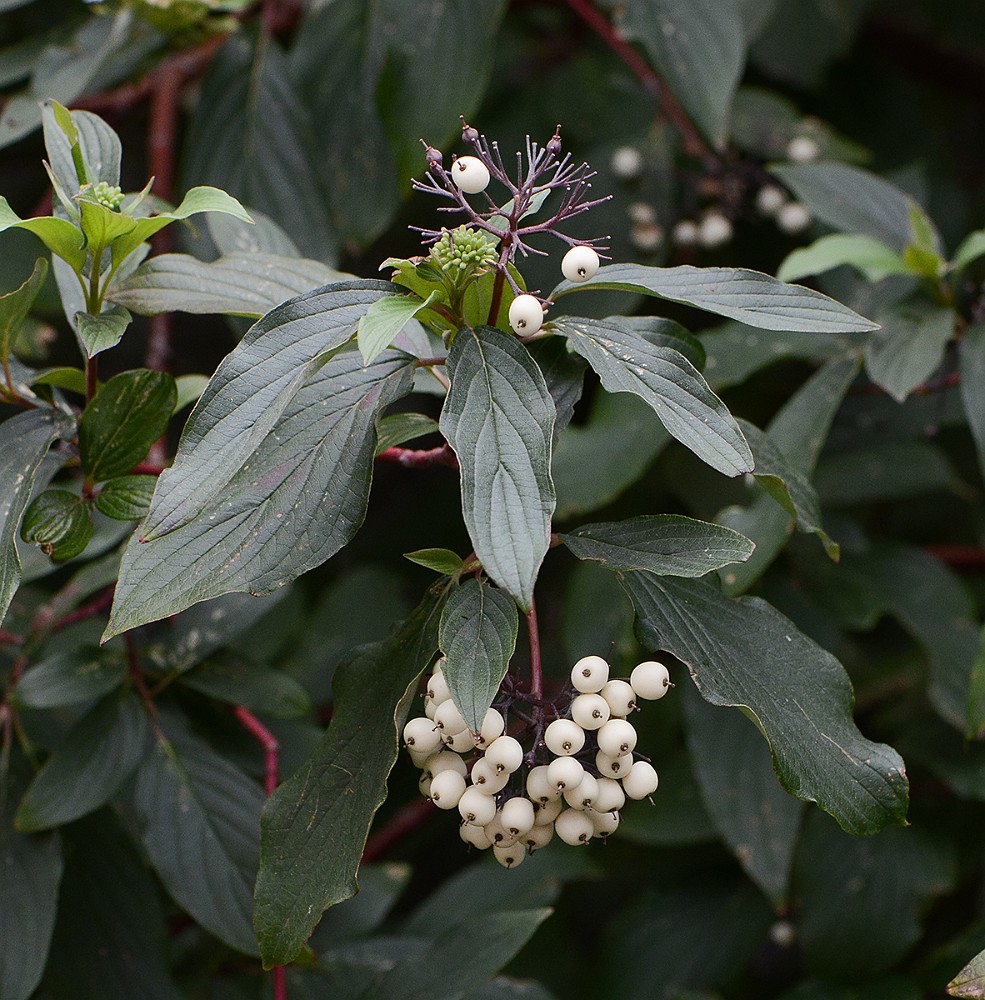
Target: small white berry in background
616	738
476	808
590	711
620	697
504	754
715	230
470	174
650	680
686	233
770	198
783	933
517	815
580	263
641	780
564	737
627	163
510	857
803	149
589	674
526	314
647	237
565	772
447	789
641	213
794	217
574	827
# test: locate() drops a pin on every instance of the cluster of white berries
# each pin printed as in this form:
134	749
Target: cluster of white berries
573	781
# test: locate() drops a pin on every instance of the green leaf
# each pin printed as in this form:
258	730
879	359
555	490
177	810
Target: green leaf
240	284
970	981
58	235
442	561
315	825
923	253
190	389
258	688
199	822
399	428
88	767
73	379
125	417
98	145
869	256
861	899
30	871
100	333
909	348
744	653
384	319
666	544
975	706
297	496
971	248
698	47
748	296
126	498
70	677
971	365
667	382
755	817
477	635
15	305
499	418
60	522
564	373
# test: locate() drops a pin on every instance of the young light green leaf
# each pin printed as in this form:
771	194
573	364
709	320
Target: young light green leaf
88	767
126	498
748	296
58	235
909	348
315	825
100	333
477	634
970	249
98	145
190	389
399	428
667	382
15	305
499	419
384	319
971	361
70	677
60	522
744	653
871	257
65	377
125	417
442	561
666	544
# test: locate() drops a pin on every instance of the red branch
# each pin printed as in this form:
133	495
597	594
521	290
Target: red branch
959	556
90	610
9	639
407	819
268	742
533	635
410	458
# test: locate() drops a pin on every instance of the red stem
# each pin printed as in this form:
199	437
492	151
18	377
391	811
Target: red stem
533	634
267	741
959	556
10	639
90	610
406	819
279	975
411	458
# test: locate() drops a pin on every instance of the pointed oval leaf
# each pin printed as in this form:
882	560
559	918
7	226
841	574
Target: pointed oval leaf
668	383
384	319
478	636
748	296
70	677
866	254
499	418
100	333
15	305
126	498
442	561
58	235
60	522
909	348
98	144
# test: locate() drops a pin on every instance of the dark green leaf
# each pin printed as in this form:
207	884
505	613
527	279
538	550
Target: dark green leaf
871	257
125	417
667	544
315	825
384	319
258	688
478	636
380	886
15	305
199	820
499	418
971	354
88	767
399	428
564	373
909	348
240	284
126	498
885	988
698	47
744	653
668	383
753	814
30	870
442	561
975	706
970	981
100	333
70	677
666	333
748	296
60	522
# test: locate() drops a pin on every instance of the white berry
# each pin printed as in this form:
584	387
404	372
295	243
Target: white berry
539	835
686	233
447	789
510	857
470	174
613	767
430	706
498	833
641	780
565	772
547	812
650	680
611	796
647	236
770	198
419	757
583	795
539	786
564	737
574	827
460	742
590	711
474	835
448	718
715	230
517	815
590	674
526	314
616	738
627	163
620	697
487	779
803	149
476	808
493	725
794	217
580	263
604	823
505	754
444	760
438	690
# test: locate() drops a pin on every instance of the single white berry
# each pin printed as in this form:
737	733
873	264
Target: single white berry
517	815
448	718
650	680
487	779
803	149
498	833
510	857
613	767
610	797
686	233
590	711
419	757
583	795
430	706
505	754
794	217
539	835
770	198
526	314
447	789
438	690
476	808
444	760
574	827
564	737
590	674
604	823
647	237
641	213
474	835
424	785
641	780
493	725
459	742
620	697
547	812
715	230
565	772
627	163
539	786
580	263
616	738
470	174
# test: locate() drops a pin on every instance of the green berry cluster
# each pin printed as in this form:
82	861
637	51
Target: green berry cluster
108	195
463	252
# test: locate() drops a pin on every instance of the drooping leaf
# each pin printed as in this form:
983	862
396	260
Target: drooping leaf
384	319
15	305
69	677
126	498
744	653
58	235
60	522
315	825
399	428
239	284
88	767
971	355
871	257
102	332
442	561
909	348
668	382
477	634
699	48
125	417
748	296
499	418
666	544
